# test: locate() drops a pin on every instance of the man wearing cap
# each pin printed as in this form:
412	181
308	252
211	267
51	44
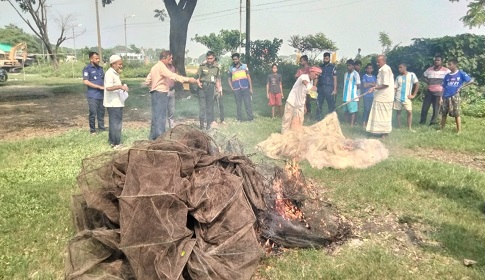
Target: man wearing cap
157	80
113	100
93	78
293	116
380	118
327	86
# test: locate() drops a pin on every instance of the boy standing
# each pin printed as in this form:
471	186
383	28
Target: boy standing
274	90
450	100
405	83
351	86
368	81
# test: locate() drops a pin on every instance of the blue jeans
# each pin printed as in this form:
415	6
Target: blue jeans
325	93
243	95
96	109
367	106
115	116
159	113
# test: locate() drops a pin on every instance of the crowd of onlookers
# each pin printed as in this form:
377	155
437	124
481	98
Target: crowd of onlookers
381	94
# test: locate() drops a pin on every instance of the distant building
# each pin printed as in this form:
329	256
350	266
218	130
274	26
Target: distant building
132	56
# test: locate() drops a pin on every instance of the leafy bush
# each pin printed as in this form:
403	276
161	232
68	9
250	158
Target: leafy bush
473	101
467	48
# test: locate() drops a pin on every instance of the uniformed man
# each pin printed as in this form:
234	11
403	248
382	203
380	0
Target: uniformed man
208	75
93	78
327	86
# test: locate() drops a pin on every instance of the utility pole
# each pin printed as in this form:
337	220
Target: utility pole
248	32
100	52
240	26
74	39
126	45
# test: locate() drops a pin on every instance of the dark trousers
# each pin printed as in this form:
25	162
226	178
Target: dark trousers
430	99
367	106
159	113
243	95
115	115
325	93
308	105
96	110
206	105
220	105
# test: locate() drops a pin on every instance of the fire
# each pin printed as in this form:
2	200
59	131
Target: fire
284	206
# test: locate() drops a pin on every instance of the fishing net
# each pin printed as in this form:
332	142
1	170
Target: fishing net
324	145
179	208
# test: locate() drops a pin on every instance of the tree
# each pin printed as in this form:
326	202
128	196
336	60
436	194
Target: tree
180	14
312	45
385	42
222	43
13	35
135	49
264	53
475	16
38	14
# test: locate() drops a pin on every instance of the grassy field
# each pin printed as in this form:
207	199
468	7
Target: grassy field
415	216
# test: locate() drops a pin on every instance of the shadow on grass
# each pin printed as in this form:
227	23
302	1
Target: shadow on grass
467	197
460	243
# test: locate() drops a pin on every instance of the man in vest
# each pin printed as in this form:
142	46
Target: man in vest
240	82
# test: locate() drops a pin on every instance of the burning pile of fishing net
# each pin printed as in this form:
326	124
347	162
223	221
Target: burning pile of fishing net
324	145
177	208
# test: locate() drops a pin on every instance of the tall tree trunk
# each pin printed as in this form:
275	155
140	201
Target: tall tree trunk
180	15
178	42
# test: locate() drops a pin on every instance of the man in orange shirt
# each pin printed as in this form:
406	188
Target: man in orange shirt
157	80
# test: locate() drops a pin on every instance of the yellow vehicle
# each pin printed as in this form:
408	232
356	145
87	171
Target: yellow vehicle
8	60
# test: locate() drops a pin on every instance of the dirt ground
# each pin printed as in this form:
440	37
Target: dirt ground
27	112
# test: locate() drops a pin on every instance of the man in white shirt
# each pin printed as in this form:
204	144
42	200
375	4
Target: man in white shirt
380	118
293	116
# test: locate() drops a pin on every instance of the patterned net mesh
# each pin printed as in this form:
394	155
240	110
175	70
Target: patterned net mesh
177	208
324	145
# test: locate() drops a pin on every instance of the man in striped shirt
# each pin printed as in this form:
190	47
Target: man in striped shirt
406	88
433	76
351	93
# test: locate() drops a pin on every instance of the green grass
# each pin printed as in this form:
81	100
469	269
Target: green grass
444	202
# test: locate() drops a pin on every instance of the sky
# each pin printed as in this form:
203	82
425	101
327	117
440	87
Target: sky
351	24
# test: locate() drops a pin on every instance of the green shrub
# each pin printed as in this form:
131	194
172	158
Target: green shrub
473	101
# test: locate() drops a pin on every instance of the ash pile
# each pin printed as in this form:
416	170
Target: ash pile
178	208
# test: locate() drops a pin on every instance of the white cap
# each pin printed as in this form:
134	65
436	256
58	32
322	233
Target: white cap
114	58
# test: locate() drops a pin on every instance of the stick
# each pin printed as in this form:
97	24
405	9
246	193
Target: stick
343	104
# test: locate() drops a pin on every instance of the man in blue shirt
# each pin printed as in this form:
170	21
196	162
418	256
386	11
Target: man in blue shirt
368	81
450	98
93	78
327	86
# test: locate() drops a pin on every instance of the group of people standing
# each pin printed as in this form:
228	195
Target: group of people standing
105	90
381	95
